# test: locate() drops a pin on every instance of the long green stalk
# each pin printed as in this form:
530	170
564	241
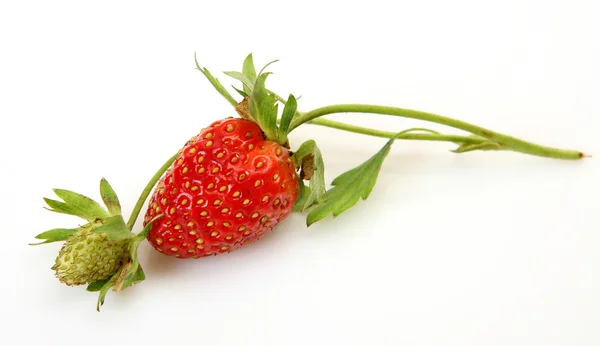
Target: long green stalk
503	141
146	192
409	136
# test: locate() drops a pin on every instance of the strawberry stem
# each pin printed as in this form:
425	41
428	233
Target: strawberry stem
504	142
433	136
146	192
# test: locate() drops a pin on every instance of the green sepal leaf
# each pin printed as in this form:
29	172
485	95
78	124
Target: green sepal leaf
267	65
84	204
139	275
249	72
263	107
310	151
467	147
286	118
114	228
96	285
144	233
241	92
128	274
215	83
104	290
349	187
131	272
110	198
54	235
302	197
247	83
77	205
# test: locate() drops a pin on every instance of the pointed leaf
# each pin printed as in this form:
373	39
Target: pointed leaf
96	285
286	117
142	235
131	271
60	207
130	279
277	97
110	198
263	108
81	202
267	65
303	195
466	147
259	91
77	205
248	84
215	83
139	275
54	235
114	228
103	291
133	278
309	151
127	275
249	71
241	92
349	187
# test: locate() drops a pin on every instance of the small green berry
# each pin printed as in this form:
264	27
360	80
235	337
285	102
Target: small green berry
87	256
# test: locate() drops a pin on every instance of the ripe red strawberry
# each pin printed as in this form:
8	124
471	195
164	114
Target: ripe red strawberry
228	187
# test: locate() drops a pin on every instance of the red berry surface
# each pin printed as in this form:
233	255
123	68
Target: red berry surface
228	187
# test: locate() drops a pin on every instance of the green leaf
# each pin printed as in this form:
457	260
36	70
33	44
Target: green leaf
54	235
349	187
263	107
139	275
247	83
249	72
114	228
303	194
110	198
241	92
104	290
309	157
128	278
131	272
267	65
216	84
132	277
96	285
77	205
144	233
286	118
466	147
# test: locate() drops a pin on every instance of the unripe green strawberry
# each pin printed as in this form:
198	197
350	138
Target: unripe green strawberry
102	252
87	256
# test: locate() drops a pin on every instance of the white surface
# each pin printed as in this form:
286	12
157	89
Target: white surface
475	249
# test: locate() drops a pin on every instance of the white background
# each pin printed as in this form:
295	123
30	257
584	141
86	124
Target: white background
485	248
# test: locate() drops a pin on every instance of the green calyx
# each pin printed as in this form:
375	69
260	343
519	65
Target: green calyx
259	104
312	168
101	253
